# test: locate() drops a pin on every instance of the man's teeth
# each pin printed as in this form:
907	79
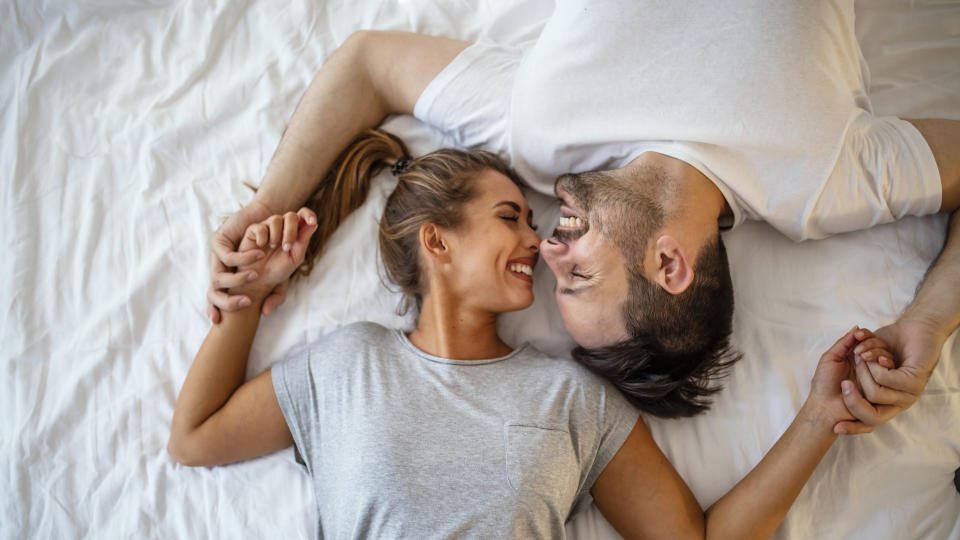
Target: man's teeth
571	221
522	269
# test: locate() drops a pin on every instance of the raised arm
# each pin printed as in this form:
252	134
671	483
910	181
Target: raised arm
373	74
218	418
642	495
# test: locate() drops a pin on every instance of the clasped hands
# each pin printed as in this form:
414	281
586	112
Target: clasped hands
864	380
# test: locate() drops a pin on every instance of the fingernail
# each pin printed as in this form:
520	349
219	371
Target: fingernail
857	349
286	247
273	246
846	386
311	221
857	359
244	302
251	276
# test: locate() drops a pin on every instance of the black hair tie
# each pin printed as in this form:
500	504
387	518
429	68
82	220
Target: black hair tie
400	165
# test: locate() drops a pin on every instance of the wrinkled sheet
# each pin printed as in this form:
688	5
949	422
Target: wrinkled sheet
126	129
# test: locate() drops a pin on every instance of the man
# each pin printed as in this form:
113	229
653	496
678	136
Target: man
693	118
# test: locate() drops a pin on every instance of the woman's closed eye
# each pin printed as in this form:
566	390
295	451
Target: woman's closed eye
516	219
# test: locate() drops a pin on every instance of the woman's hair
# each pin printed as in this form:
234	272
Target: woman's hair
432	188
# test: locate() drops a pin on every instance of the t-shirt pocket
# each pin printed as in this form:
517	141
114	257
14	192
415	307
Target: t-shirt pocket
541	462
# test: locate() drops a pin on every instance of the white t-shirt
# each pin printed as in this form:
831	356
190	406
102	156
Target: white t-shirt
767	98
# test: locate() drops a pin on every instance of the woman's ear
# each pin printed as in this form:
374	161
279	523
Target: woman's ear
433	243
674	271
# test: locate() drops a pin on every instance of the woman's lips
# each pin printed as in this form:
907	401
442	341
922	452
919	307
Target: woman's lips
522	268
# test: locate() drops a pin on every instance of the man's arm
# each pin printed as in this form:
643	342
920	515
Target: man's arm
943	138
916	340
372	75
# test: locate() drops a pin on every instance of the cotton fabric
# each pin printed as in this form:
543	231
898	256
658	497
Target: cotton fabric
402	444
766	98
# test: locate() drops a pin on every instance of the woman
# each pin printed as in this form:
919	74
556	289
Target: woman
448	432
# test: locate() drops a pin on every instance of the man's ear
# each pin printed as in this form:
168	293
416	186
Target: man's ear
674	271
433	243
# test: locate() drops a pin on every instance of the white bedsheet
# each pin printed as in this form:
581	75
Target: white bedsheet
125	131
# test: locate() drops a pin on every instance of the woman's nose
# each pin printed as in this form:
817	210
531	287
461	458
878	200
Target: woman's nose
534	242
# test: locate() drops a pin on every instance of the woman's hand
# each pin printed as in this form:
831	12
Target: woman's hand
283	239
833	381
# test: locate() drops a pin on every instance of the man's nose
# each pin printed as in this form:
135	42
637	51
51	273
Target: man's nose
553	246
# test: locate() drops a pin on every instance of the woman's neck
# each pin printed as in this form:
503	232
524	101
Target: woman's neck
449	330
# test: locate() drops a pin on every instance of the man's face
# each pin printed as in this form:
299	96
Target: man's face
592	279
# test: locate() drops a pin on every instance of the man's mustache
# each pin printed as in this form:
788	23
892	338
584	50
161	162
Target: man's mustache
568	235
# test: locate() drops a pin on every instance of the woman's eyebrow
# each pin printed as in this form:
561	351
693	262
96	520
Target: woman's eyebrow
511	204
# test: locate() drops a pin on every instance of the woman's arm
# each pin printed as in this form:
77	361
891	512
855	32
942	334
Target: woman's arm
642	495
218	418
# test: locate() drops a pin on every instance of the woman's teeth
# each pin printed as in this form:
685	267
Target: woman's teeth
521	269
571	221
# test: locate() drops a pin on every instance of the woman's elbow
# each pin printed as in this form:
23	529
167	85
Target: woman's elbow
182	453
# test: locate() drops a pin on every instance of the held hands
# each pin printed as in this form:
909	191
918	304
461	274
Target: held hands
224	259
888	389
833	381
283	240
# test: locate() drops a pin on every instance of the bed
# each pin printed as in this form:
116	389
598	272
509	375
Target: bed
126	130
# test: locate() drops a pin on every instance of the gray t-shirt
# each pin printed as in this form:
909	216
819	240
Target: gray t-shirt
402	444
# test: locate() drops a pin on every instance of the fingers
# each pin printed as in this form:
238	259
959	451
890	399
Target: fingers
877	394
276	224
277	296
839	350
213	313
228	280
291	222
862	410
225	302
259	234
223	249
901	379
307	215
872	347
299	249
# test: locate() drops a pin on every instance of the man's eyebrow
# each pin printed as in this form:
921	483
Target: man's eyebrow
511	204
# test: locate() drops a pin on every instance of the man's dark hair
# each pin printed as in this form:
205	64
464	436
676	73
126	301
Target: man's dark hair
679	345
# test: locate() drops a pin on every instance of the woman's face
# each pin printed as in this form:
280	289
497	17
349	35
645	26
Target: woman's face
494	250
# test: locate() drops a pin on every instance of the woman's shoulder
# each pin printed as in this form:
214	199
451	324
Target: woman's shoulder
351	337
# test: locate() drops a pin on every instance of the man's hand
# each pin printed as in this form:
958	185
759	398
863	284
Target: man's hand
224	257
832	382
889	386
